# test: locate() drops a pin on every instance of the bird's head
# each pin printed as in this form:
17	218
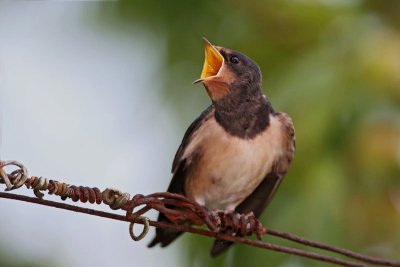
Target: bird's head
226	71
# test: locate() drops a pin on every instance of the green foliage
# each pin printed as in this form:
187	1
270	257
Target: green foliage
7	260
334	66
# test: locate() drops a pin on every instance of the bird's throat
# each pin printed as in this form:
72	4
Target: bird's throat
216	89
243	117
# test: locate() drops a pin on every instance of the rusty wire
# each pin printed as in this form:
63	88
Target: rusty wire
188	211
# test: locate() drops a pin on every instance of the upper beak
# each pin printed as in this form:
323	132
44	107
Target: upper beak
212	63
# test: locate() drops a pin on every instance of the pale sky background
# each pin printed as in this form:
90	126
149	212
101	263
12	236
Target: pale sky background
80	103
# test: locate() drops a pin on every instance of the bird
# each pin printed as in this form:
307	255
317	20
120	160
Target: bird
235	154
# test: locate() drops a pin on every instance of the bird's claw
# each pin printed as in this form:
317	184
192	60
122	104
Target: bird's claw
237	223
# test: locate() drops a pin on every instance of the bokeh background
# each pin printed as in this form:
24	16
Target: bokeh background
100	94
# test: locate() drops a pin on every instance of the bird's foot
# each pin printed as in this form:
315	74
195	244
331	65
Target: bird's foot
243	224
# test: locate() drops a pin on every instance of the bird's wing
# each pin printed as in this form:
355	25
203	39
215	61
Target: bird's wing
188	134
179	169
179	165
260	198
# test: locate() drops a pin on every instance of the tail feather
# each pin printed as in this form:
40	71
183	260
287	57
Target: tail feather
163	236
219	247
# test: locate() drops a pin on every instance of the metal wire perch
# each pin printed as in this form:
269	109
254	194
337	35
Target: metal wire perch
177	208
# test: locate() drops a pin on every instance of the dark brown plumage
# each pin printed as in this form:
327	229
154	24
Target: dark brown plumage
235	154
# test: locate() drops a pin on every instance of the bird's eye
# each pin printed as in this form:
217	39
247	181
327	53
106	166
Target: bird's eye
234	60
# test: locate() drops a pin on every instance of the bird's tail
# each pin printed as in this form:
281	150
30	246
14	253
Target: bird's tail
219	247
163	236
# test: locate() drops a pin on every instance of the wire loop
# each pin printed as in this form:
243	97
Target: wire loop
144	232
15	179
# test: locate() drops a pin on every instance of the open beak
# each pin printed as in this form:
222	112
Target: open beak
212	63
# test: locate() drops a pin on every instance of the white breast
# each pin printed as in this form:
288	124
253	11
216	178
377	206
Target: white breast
230	168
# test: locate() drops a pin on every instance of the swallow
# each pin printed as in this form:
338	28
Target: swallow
235	154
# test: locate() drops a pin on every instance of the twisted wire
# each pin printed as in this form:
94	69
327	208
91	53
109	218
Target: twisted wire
115	198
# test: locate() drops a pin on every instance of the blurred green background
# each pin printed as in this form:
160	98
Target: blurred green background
334	66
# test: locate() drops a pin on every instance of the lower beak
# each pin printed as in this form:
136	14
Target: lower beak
212	63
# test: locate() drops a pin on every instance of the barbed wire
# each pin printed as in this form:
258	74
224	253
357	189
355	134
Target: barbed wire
166	203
